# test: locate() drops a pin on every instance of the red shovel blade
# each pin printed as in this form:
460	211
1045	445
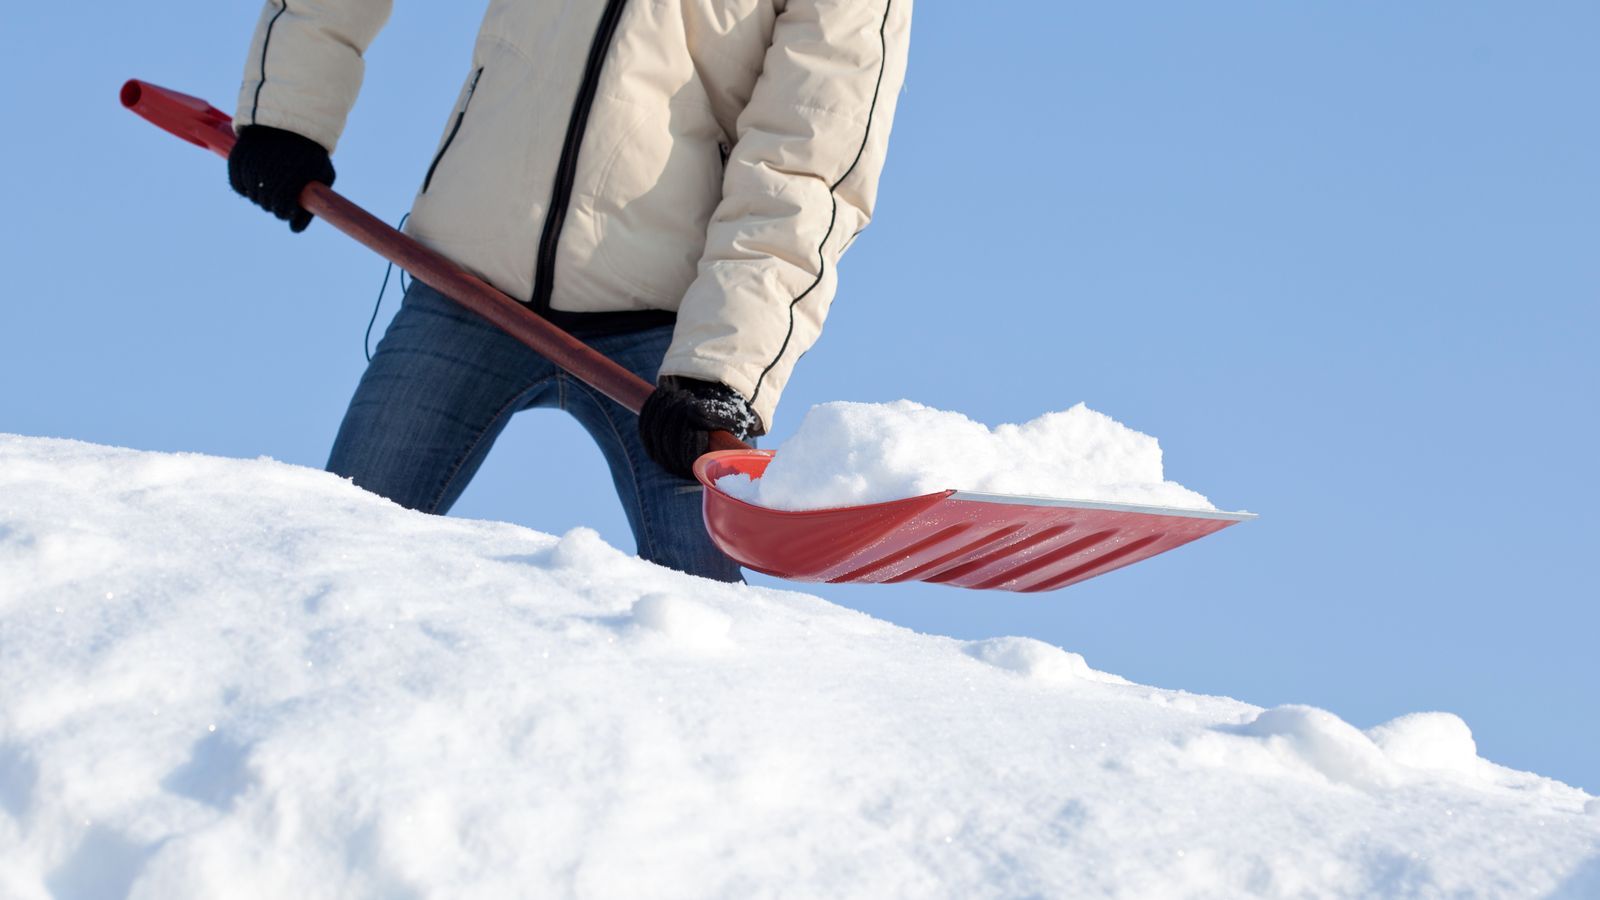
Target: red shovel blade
981	541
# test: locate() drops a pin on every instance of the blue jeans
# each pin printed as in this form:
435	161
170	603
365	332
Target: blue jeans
444	383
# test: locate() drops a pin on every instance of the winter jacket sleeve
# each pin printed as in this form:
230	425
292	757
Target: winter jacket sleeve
305	65
800	183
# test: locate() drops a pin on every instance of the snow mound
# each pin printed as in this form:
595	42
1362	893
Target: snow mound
685	621
246	679
1037	660
1324	742
852	453
1436	741
1415	746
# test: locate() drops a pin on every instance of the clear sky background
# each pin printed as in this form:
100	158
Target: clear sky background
1343	259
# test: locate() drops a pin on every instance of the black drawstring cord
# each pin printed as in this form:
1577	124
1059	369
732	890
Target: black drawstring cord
366	342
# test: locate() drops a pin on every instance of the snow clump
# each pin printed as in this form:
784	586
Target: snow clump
847	453
1323	741
684	621
1435	741
1037	660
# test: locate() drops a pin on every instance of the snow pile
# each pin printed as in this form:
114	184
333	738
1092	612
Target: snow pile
245	679
850	453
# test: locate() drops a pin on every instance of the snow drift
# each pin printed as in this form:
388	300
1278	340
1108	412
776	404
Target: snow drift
242	678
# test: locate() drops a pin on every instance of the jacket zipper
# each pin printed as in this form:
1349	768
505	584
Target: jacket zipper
471	89
567	168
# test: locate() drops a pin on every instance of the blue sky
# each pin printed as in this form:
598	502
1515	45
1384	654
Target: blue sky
1340	258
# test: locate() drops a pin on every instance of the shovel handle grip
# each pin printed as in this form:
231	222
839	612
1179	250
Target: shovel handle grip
203	125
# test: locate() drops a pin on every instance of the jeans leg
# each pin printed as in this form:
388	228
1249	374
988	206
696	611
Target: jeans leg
441	387
663	510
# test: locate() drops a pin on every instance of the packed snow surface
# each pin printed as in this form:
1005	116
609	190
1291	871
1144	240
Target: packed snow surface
846	454
224	678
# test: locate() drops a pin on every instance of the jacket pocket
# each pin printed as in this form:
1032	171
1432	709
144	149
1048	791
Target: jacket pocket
461	116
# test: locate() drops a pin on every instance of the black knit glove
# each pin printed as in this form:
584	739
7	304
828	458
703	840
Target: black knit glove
272	166
677	419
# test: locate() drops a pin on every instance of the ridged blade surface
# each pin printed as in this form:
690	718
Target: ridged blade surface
970	540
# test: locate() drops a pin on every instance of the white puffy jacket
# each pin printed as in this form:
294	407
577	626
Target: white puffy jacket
709	157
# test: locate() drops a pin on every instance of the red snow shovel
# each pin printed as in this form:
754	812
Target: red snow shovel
951	537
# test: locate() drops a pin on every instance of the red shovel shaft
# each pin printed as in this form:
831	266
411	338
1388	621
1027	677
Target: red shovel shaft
202	124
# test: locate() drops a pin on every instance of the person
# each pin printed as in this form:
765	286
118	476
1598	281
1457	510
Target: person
673	181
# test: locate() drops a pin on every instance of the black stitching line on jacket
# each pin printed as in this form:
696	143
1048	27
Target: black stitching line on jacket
833	217
265	42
